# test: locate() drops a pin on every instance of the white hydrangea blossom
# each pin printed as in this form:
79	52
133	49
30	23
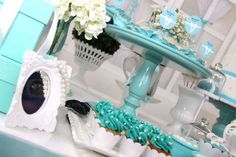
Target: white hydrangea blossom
90	15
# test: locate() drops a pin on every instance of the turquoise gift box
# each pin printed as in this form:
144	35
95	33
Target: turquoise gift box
25	34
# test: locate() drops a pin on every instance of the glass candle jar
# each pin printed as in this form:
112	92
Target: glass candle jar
197	130
218	76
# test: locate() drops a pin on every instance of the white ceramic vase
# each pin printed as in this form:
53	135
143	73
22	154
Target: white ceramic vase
186	109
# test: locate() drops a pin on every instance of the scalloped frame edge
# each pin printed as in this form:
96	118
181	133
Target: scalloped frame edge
45	118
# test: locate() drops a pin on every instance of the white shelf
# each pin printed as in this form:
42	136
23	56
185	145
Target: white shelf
207	29
160	2
211	9
214	33
193	4
218	98
211	30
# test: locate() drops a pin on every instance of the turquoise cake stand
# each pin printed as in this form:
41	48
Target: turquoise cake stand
182	148
154	54
227	112
226	115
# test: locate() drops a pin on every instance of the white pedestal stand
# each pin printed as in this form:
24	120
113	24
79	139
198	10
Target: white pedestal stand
187	108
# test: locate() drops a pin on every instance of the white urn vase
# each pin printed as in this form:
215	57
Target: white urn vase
87	58
186	109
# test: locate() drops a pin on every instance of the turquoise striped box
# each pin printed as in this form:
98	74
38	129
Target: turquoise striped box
6	93
25	34
26	29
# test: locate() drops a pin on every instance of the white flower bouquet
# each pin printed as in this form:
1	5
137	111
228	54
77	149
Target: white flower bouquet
89	17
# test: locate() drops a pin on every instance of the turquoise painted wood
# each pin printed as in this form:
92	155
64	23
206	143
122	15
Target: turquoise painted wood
139	85
36	9
28	26
6	94
9	70
25	33
157	50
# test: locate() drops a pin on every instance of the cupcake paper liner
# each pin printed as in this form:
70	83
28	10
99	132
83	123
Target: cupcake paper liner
104	138
209	151
131	149
153	153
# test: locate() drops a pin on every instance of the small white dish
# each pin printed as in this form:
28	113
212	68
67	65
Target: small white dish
82	136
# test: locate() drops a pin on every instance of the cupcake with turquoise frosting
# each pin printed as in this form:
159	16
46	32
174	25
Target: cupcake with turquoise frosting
103	107
134	143
99	109
150	130
159	145
109	132
128	120
111	122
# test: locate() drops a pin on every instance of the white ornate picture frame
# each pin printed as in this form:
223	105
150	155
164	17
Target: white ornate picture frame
44	118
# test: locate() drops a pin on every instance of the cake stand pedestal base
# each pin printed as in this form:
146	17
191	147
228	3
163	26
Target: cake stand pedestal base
140	84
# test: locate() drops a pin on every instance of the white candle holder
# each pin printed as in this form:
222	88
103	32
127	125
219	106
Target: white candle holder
87	58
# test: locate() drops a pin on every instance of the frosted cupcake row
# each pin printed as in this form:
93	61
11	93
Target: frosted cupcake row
132	137
126	146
